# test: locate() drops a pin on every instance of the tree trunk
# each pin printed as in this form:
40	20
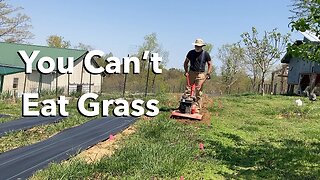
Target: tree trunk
254	82
262	83
227	89
153	82
272	83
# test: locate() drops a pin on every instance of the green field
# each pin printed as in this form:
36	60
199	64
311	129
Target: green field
253	137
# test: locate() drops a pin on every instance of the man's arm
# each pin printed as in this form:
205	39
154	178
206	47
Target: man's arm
209	69
186	66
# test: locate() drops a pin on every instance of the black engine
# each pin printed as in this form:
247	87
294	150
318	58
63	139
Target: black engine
185	104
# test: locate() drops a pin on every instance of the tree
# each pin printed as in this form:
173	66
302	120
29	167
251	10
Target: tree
14	26
58	42
208	47
84	47
252	68
151	44
306	17
232	58
100	61
266	51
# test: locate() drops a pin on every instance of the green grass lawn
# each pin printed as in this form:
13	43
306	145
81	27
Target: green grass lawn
253	137
11	109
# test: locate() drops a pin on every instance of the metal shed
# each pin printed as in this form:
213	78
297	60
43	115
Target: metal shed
300	70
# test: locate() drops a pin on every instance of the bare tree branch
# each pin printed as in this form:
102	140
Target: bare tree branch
14	26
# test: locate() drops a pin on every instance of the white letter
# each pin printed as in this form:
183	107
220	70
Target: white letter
136	105
95	106
28	61
88	59
105	105
113	66
121	110
68	69
62	102
50	62
155	59
26	104
48	105
151	105
126	65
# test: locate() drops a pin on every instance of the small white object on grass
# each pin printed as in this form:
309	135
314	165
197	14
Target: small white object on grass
298	102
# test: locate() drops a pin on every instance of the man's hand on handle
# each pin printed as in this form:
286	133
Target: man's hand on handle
208	76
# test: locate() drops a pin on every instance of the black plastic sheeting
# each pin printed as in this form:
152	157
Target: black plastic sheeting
23	162
4	116
26	123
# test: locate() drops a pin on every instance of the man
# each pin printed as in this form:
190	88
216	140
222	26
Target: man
198	59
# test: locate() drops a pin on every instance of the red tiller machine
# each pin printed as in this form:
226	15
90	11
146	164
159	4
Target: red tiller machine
187	107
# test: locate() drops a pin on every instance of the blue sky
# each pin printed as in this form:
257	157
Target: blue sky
119	26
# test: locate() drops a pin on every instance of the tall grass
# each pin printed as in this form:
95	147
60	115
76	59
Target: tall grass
5	95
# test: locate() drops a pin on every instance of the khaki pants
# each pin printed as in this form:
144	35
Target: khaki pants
197	78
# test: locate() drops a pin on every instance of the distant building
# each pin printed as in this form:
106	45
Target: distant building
300	70
14	79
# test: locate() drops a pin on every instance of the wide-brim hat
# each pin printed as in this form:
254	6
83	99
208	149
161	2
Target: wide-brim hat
199	42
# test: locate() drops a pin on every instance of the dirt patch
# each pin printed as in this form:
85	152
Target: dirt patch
206	118
105	148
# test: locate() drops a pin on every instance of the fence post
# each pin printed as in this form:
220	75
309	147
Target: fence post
57	78
147	82
68	88
40	84
24	84
125	83
90	83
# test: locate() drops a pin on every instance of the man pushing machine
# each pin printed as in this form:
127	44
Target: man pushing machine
197	58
